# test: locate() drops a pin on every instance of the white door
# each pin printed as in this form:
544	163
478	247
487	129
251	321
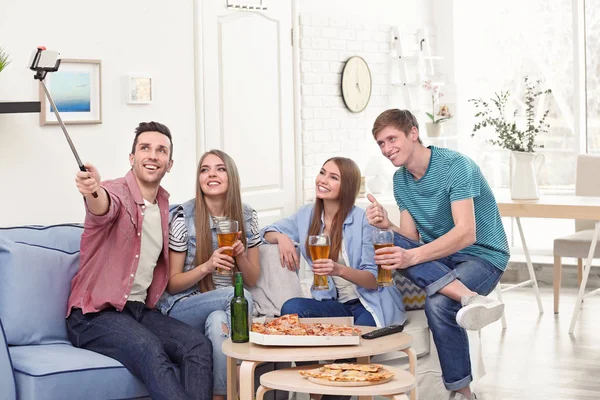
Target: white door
247	98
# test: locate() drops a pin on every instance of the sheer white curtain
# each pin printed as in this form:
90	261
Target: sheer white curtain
497	44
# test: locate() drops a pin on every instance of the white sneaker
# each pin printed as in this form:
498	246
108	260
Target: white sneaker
458	396
478	311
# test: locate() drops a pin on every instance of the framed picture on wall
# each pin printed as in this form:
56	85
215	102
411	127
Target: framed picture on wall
139	90
76	89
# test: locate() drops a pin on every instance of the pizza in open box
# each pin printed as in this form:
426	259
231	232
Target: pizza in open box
290	325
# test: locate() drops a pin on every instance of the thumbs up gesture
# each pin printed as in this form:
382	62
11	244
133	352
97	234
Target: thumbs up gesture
376	214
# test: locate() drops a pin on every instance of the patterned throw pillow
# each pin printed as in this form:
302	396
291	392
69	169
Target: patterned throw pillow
412	295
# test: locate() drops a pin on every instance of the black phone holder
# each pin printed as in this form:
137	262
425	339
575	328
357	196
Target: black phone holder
44	58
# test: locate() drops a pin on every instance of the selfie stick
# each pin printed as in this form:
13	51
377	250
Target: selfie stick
40	74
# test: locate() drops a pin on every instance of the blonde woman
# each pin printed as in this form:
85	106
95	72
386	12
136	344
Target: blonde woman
196	293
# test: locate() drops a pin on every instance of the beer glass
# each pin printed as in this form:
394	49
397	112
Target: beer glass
318	247
227	234
383	238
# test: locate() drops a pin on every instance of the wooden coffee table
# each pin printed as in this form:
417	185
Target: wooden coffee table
290	380
252	355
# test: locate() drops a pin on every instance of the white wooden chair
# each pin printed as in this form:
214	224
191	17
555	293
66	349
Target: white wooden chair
577	245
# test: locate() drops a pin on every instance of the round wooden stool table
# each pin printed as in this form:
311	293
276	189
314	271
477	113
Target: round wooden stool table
290	380
252	355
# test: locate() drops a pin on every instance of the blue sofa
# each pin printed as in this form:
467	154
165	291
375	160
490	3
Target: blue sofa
37	360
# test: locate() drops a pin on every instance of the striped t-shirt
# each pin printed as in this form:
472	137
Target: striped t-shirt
178	241
450	177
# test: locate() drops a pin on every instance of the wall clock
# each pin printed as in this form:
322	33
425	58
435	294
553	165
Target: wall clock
356	84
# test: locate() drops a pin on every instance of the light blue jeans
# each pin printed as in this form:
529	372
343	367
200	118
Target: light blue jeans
451	341
209	312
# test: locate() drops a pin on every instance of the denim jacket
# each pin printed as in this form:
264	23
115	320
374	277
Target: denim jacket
384	303
167	300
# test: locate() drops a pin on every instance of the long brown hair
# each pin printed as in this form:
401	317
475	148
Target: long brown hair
349	187
233	209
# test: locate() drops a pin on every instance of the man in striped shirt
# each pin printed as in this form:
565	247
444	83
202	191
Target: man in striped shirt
450	240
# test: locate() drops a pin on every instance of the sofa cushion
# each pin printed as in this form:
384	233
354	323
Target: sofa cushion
38	280
61	371
413	296
64	237
7	378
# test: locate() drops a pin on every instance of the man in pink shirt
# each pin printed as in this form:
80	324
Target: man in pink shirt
124	270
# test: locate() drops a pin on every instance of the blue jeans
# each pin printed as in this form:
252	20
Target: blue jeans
209	312
148	344
311	308
450	339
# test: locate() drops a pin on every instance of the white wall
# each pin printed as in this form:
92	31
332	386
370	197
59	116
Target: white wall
36	166
135	36
330	33
393	12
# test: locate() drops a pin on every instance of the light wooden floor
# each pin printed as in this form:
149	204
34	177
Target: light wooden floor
535	357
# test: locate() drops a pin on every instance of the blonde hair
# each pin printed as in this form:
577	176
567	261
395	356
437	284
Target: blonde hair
349	188
233	210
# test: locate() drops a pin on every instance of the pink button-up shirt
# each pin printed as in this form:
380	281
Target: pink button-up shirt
110	250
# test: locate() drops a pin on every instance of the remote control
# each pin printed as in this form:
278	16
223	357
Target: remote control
387	330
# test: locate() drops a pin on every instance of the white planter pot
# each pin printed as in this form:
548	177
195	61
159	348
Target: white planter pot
434	130
524	182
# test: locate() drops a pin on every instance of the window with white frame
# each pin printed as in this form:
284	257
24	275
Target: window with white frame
513	39
497	44
592	53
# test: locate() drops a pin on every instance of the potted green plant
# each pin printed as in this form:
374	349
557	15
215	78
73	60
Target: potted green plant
434	128
4	60
521	142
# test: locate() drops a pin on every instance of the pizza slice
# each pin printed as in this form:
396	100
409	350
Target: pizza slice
259	327
291	320
320	372
356	367
349	373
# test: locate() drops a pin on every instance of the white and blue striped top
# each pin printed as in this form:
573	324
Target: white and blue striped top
450	177
178	241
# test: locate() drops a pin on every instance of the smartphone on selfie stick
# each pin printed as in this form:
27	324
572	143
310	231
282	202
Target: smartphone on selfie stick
43	61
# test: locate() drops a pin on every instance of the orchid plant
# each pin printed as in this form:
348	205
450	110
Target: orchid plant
443	113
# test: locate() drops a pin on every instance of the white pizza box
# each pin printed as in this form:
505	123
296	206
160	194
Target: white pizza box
290	340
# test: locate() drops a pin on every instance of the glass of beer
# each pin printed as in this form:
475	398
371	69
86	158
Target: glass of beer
383	238
318	247
227	233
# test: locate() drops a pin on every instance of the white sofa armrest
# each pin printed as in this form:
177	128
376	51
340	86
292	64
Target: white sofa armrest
275	285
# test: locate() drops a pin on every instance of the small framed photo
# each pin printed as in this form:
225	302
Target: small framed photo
139	90
76	89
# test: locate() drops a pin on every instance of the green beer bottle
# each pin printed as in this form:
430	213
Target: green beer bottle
239	313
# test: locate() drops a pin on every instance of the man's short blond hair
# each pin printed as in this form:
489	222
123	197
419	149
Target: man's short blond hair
402	120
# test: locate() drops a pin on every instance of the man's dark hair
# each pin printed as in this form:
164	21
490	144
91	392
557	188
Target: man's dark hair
152	127
402	120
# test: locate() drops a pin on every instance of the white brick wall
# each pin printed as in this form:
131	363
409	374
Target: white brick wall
328	128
